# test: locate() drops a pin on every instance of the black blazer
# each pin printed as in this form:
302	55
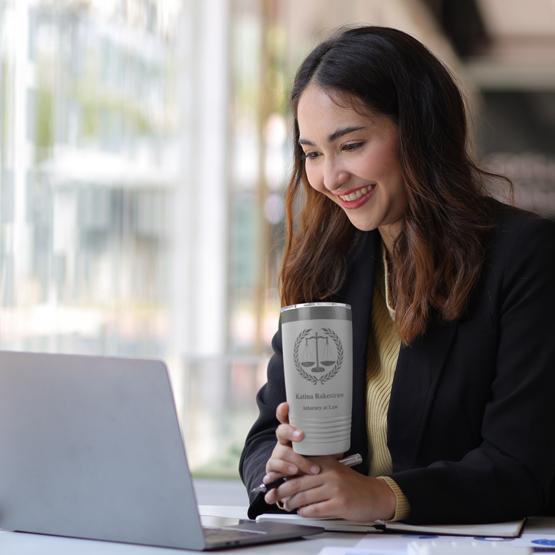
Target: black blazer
471	421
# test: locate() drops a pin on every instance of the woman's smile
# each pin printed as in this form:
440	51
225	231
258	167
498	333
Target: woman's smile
357	197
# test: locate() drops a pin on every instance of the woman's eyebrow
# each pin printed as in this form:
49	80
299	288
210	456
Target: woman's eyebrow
335	135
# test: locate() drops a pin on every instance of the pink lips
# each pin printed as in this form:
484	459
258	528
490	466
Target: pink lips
351	204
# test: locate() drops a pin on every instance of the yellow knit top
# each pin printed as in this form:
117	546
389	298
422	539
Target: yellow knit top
383	352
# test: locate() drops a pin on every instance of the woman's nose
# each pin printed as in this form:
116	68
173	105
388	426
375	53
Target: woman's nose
334	177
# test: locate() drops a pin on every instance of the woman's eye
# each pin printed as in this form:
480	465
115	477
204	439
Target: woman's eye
352	146
311	155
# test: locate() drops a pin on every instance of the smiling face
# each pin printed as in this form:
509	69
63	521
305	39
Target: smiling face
353	158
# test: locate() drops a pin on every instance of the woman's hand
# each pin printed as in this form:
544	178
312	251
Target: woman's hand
338	492
284	461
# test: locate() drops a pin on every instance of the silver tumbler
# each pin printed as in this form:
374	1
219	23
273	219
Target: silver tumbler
318	364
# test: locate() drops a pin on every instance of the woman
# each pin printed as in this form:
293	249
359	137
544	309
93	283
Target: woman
452	295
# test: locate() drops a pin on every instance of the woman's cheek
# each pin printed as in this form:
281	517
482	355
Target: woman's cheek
312	178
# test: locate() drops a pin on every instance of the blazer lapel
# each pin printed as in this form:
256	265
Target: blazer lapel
357	292
419	368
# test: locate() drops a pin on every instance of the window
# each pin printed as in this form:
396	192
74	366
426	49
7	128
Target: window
128	222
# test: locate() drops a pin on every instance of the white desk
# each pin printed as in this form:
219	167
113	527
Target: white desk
32	544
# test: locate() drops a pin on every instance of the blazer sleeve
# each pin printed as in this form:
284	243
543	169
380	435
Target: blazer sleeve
510	474
261	438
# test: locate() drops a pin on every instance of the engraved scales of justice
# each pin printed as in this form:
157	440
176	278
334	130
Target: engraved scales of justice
316	364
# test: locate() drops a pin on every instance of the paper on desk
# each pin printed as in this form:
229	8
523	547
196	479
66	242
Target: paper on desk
532	539
538	533
397	543
379	549
379	544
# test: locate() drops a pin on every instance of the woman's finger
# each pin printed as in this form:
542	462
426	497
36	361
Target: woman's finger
282	413
311	492
271	498
271	476
288	463
316	510
286	434
281	466
297	485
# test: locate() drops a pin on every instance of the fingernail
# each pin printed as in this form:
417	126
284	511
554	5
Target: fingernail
296	433
292	469
314	469
266	479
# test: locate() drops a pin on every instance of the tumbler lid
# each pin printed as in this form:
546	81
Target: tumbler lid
312	305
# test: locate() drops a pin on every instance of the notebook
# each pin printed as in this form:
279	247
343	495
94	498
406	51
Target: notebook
510	529
91	448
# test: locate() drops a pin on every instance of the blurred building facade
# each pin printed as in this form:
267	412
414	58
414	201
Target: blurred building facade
144	151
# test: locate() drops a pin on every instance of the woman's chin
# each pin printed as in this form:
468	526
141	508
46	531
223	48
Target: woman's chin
363	225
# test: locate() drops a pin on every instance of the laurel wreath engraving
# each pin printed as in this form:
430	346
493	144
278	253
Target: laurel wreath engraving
309	377
339	362
300	369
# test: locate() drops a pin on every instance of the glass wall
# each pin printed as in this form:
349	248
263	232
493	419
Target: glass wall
129	198
93	97
89	165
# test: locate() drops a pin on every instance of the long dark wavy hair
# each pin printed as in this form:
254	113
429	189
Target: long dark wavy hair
439	253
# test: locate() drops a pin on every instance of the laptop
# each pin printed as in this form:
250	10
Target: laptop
90	447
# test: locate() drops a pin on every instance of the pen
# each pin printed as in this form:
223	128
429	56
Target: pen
351	460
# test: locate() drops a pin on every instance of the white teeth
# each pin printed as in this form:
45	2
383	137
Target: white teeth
357	194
